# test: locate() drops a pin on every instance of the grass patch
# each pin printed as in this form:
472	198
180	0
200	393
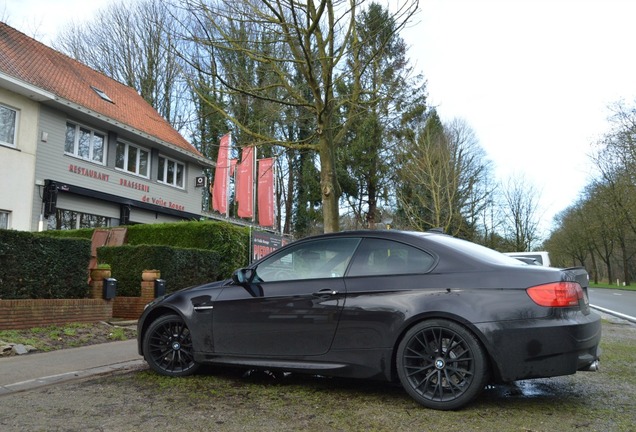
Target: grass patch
235	400
69	331
610	286
71	335
118	333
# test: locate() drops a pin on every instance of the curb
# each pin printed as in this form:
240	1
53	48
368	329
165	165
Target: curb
615	314
69	376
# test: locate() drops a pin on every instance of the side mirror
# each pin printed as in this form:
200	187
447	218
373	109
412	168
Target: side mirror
243	276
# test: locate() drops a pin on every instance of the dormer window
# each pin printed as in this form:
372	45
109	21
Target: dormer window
102	94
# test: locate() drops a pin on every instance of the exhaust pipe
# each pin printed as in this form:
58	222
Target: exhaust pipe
592	367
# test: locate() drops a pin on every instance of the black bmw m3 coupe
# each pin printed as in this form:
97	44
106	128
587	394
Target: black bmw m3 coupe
442	316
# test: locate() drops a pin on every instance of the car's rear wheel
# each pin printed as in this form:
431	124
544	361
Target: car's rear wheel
441	364
168	347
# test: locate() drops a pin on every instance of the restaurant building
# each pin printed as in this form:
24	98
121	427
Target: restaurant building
79	149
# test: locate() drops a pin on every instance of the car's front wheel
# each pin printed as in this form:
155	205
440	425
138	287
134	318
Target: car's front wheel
441	364
168	348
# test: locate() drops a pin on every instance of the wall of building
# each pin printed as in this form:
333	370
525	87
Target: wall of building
148	200
17	165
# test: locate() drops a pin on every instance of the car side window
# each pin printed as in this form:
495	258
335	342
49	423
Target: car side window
385	257
327	258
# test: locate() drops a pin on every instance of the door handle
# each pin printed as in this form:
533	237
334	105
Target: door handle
326	292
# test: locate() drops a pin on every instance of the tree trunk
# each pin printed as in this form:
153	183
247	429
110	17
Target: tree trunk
290	192
372	205
594	266
625	263
329	185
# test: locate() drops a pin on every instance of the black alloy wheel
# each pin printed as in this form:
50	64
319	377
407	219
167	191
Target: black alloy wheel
441	364
168	347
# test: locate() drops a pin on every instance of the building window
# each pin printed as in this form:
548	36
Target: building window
132	159
4	219
170	172
69	220
85	143
8	123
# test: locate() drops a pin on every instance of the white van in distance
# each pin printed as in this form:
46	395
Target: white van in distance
540	258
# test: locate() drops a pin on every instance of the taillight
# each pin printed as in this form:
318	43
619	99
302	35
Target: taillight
556	294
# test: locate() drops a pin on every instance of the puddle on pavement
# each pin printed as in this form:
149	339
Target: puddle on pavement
528	389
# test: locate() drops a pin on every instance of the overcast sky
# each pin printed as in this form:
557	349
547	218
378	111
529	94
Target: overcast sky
533	78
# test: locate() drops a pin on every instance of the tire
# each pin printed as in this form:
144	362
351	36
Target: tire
167	347
441	364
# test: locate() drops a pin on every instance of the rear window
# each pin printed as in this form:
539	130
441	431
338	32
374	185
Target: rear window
474	250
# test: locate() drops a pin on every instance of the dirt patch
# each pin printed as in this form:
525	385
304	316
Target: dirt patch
44	339
232	400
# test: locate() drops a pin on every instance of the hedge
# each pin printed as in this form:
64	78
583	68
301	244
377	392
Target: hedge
231	242
179	267
53	264
85	233
33	266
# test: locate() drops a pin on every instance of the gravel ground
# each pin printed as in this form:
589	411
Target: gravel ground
231	400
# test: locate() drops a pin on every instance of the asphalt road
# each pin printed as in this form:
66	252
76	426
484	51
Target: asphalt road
622	302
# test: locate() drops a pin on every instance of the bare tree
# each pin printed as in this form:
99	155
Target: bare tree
615	157
300	49
391	92
604	220
441	181
521	203
572	244
31	26
134	44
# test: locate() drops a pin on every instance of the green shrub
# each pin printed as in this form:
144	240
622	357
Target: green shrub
222	248
85	233
33	266
180	267
231	242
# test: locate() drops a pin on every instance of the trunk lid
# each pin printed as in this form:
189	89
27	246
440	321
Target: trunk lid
580	275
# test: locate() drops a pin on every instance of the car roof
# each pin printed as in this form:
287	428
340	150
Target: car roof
435	242
392	234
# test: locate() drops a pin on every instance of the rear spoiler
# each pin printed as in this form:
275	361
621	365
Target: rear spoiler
578	274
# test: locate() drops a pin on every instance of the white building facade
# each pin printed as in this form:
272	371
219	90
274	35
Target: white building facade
78	149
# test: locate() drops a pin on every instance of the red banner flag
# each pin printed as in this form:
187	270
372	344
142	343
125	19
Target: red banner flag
221	175
245	184
266	192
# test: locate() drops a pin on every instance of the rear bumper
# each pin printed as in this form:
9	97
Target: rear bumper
548	347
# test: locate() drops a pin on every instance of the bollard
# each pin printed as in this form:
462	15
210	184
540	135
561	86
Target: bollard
160	287
110	288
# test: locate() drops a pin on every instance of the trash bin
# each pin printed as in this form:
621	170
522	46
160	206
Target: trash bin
160	287
110	288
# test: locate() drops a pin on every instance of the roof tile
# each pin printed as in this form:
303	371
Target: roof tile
28	60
